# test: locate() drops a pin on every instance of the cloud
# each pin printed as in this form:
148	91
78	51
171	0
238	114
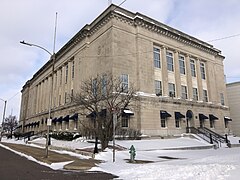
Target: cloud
209	20
33	21
155	9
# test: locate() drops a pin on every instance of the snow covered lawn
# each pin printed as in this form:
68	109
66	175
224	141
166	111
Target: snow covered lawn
152	162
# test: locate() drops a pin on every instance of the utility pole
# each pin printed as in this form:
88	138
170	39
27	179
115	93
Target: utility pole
4	109
5	106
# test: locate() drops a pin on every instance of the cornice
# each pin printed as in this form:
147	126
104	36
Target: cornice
169	100
178	36
132	19
137	19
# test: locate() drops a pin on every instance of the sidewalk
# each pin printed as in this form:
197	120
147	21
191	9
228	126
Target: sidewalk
54	157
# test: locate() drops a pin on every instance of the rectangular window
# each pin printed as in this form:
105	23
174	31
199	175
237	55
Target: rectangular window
55	80
226	124
158	88
202	69
184	92
73	70
171	89
59	100
193	68
182	64
67	125
66	77
163	122
75	125
169	57
222	99
124	80
104	85
156	56
177	123
71	95
195	94
54	102
212	125
125	120
94	87
205	96
65	97
60	128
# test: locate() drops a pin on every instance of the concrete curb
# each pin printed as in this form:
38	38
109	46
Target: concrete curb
191	148
78	151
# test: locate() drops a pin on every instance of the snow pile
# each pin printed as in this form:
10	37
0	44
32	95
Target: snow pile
152	162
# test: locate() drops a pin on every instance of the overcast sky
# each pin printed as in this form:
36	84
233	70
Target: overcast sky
33	21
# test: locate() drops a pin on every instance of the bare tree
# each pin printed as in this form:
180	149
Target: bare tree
9	124
99	98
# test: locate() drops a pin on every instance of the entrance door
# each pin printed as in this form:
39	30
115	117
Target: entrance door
189	117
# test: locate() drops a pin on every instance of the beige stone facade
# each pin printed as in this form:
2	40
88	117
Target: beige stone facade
233	94
173	72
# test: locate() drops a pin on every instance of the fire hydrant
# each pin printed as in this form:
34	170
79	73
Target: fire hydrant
132	153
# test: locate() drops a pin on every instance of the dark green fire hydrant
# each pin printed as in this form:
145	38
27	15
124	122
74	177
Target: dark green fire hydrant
132	153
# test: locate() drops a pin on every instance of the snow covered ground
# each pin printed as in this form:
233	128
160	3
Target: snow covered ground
152	162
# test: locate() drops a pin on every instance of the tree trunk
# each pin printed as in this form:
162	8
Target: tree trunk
104	143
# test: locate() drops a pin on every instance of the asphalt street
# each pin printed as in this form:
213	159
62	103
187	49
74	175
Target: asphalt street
16	167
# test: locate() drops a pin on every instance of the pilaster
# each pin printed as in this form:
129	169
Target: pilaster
164	71
189	77
177	75
199	80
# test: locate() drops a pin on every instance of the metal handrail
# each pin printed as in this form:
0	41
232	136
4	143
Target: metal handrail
218	135
205	136
215	135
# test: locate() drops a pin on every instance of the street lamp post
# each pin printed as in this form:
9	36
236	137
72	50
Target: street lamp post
52	59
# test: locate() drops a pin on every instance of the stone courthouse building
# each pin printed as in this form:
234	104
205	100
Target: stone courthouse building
179	78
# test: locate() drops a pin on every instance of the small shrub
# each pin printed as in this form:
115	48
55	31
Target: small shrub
65	136
129	134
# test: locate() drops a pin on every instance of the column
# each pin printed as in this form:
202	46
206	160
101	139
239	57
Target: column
164	71
209	78
46	96
57	86
189	78
177	75
37	100
40	97
49	89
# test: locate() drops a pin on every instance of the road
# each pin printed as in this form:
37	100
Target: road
16	167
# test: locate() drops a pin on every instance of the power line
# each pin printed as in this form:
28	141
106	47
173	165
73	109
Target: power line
13	96
227	37
129	54
119	5
232	77
122	3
